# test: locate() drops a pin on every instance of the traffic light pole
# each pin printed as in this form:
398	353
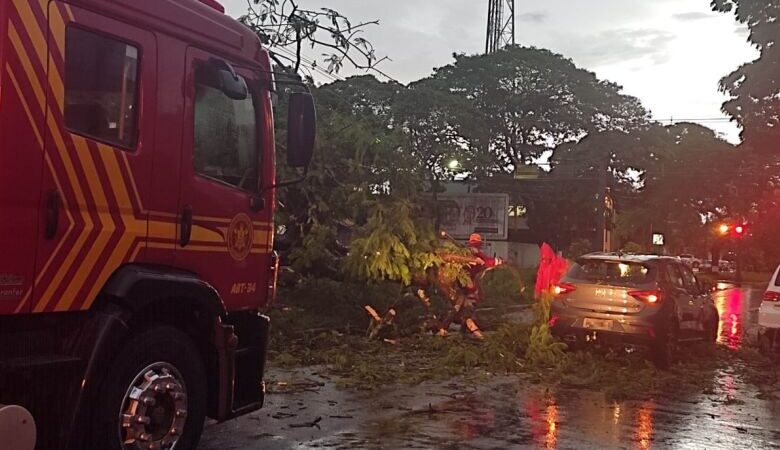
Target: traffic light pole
738	277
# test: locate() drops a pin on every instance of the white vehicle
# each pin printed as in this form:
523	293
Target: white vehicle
691	261
769	315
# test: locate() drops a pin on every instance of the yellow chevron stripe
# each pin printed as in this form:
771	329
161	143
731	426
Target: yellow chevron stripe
71	225
162	230
167	215
228	220
26	107
191	248
80	202
36	35
16	42
38	138
132	183
259	237
111	164
57	86
57	28
138	247
106	221
201	234
134	228
169	230
120	252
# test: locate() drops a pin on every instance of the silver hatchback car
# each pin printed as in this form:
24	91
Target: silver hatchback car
633	300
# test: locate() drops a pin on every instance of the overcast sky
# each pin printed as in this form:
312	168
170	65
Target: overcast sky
669	53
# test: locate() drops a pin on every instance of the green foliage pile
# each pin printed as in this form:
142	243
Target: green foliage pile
394	246
325	304
507	285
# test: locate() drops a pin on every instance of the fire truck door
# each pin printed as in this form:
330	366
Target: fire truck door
99	138
224	222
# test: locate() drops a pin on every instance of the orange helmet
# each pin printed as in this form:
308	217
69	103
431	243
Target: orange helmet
475	240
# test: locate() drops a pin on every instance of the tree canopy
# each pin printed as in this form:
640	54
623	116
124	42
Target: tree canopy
754	88
531	100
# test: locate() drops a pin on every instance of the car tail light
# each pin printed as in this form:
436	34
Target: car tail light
770	296
650	297
563	288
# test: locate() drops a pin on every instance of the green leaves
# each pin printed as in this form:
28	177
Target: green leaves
392	246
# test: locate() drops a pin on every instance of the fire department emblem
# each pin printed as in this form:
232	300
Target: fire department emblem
239	237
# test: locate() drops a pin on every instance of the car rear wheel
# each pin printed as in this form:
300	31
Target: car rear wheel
711	331
666	347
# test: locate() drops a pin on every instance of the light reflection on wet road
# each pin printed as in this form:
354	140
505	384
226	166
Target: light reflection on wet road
505	412
738	310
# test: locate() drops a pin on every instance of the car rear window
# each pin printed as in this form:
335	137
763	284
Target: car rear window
620	273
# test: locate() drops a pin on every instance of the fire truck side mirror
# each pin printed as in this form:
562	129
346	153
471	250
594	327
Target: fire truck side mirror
302	129
229	82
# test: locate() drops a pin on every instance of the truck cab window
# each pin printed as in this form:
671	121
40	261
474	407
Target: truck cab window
101	84
225	133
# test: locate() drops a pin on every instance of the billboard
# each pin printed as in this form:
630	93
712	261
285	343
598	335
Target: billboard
463	214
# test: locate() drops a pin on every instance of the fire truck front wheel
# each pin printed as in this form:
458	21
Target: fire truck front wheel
153	396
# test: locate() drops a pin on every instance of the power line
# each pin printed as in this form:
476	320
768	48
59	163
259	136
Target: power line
310	63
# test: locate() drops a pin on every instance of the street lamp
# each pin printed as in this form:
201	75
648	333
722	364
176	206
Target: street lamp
453	164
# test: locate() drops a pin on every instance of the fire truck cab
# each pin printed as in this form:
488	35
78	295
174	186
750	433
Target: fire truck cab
137	175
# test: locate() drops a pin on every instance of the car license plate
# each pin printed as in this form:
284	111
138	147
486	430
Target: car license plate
597	324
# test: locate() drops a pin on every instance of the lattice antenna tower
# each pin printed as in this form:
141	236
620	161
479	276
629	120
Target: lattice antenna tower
501	25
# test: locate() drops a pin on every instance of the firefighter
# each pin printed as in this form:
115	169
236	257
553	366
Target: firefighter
464	298
476	244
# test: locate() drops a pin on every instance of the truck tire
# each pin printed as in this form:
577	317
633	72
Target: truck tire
153	396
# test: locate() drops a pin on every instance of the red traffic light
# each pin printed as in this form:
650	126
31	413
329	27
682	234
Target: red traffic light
739	229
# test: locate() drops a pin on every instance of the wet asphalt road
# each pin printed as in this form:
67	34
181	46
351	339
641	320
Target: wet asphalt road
509	413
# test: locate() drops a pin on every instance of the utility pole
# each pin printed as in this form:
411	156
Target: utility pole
501	25
601	209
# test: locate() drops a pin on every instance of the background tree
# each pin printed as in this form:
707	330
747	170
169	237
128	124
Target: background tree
532	100
754	88
754	103
680	184
357	159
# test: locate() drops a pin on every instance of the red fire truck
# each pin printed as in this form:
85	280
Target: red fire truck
137	180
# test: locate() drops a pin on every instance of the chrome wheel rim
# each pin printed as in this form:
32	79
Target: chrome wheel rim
154	409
